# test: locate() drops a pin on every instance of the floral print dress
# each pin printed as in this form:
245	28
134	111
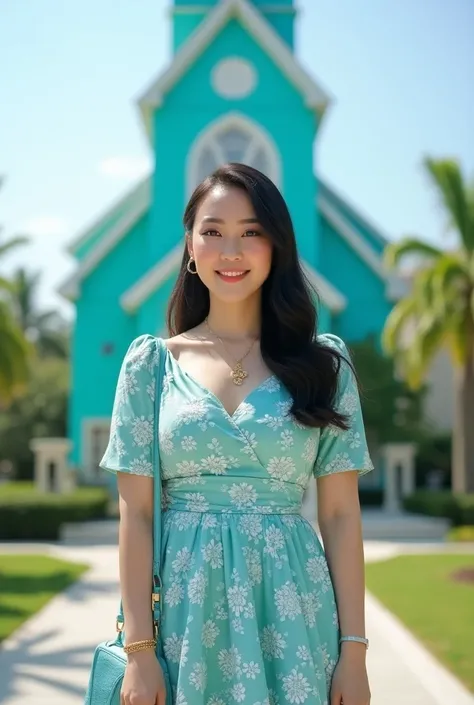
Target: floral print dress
249	613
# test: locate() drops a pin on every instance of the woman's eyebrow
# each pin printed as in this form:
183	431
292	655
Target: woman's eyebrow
212	219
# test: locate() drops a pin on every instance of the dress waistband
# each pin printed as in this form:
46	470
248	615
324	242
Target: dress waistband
232	495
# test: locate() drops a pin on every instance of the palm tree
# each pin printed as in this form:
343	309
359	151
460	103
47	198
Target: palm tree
45	329
14	355
438	313
14	349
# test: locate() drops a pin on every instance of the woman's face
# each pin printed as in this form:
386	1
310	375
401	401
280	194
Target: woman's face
232	252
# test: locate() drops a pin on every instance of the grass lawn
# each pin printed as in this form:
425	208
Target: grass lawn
422	592
27	583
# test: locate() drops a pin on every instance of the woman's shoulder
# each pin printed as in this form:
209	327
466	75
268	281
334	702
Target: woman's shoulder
143	351
185	342
329	340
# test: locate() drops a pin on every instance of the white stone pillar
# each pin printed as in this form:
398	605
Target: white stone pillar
52	452
398	456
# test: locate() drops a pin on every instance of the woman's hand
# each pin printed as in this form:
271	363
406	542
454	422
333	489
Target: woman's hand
143	683
350	684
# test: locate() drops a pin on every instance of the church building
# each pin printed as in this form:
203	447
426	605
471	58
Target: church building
233	90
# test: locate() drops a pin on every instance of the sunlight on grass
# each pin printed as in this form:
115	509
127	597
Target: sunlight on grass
27	583
423	592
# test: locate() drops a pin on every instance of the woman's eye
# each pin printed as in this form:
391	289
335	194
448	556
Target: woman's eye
251	233
211	233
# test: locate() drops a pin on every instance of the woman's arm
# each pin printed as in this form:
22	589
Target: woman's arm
136	554
340	525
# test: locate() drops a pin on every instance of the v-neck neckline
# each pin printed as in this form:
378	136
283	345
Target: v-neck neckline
213	396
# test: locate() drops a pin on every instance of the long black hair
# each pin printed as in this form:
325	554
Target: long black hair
288	342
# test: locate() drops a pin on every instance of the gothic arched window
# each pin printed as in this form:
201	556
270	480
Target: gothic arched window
232	139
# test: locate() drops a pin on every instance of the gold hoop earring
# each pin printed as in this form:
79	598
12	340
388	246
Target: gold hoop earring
191	271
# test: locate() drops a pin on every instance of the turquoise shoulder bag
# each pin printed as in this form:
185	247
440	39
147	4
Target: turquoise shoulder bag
108	665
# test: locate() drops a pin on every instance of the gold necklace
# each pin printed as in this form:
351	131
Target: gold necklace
237	372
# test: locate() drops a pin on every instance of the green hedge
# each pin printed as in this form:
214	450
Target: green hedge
458	508
461	533
370	497
26	514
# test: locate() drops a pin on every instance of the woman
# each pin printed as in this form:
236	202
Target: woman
253	403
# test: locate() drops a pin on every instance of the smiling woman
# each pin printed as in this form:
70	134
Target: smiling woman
229	245
252	404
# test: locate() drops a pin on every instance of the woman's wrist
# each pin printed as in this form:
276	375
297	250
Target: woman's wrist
141	657
353	650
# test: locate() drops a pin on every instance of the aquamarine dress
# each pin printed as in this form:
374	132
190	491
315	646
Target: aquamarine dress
249	613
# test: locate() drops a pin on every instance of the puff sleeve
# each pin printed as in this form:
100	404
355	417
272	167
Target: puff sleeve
339	450
130	446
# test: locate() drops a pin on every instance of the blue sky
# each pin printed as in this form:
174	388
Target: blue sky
71	141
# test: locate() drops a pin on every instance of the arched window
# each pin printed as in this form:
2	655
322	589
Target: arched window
232	139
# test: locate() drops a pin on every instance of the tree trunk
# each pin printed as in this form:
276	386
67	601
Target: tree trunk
463	431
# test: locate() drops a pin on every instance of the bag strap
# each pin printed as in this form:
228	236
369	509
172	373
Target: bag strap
157	529
156	579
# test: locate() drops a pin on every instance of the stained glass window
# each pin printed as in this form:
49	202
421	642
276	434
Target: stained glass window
232	143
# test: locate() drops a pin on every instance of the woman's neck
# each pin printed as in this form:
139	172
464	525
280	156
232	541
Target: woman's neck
235	321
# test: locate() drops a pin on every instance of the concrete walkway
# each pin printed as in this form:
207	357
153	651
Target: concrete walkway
47	661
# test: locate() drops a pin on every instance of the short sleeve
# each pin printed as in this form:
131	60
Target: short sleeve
339	450
130	446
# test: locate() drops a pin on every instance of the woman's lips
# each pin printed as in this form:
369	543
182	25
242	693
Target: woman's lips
232	276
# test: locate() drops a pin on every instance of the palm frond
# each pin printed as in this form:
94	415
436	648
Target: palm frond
401	316
459	338
428	339
15	354
422	289
26	285
450	281
13	243
395	252
6	285
470	208
448	180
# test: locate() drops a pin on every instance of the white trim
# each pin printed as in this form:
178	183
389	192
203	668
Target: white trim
330	296
356	211
260	138
88	424
136	193
132	299
256	24
149	282
70	289
266	9
353	238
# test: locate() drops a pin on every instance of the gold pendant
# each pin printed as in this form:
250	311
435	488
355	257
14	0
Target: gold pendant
238	374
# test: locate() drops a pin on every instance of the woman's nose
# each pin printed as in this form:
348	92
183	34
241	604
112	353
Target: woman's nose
231	252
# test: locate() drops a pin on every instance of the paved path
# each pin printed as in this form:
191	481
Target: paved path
47	660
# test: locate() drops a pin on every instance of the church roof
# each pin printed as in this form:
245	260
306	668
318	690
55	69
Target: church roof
134	297
255	23
137	202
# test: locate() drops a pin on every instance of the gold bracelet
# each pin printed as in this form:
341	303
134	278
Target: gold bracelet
140	646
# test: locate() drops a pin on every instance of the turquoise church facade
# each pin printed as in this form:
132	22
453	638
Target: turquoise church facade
233	91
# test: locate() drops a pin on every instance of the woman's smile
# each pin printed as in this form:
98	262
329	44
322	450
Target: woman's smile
232	275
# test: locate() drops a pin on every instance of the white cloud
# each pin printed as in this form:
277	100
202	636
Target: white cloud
124	167
44	225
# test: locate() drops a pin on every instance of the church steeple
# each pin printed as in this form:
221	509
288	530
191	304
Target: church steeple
187	15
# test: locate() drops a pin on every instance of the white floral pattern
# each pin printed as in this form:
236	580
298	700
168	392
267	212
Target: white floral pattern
249	613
